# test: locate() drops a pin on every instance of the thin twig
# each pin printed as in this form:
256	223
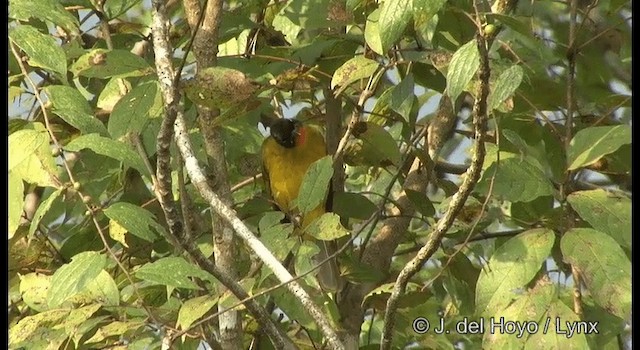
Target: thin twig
190	43
104	23
245	182
355	115
457	202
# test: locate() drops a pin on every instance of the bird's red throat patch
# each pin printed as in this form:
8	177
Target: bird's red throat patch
302	136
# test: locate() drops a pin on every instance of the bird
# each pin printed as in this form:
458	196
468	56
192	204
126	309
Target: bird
287	153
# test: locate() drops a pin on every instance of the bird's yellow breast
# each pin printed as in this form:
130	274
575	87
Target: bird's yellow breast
286	167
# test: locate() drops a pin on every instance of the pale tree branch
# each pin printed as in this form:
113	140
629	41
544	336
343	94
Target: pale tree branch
171	96
199	180
457	201
205	23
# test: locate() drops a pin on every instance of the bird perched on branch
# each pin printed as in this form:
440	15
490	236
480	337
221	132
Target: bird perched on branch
287	153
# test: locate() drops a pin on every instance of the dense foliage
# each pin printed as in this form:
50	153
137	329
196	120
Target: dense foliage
93	263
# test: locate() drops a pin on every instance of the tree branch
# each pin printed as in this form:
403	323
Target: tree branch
199	180
205	24
457	202
171	96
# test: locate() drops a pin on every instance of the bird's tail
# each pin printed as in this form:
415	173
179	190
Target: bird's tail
329	272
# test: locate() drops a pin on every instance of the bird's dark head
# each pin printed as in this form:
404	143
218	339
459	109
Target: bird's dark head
287	132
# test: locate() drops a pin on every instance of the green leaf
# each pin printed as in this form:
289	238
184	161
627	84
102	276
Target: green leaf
372	32
108	147
73	277
299	15
220	87
193	309
70	105
103	289
30	156
270	219
590	144
428	76
352	5
86	327
116	328
555	337
536	210
33	289
394	17
30	328
77	317
275	235
24	142
292	306
463	67
372	145
112	92
380	113
505	86
135	219
42	210
17	124
101	63
115	8
511	267
14	93
150	341
354	270
402	97
530	307
515	23
43	51
315	185
132	112
45	10
421	202
606	212
16	202
287	27
605	269
232	25
353	205
351	71
460	280
535	155
516	180
304	256
172	272
423	12
327	228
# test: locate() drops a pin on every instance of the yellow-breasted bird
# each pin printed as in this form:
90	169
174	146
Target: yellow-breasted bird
286	155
